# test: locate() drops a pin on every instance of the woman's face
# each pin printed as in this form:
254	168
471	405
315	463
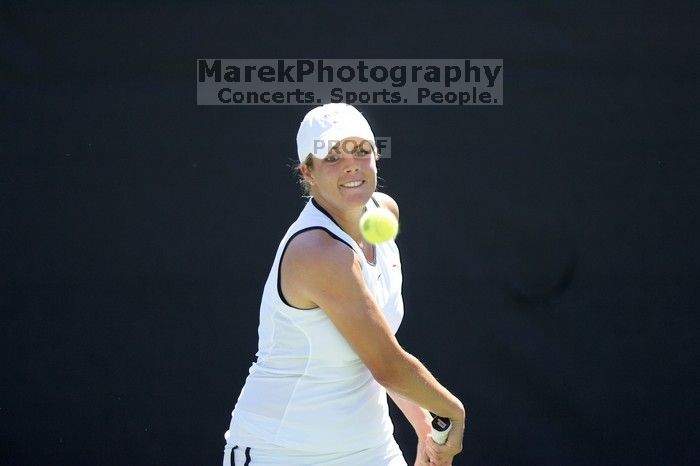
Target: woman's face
347	176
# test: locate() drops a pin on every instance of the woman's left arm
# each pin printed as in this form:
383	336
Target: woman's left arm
418	417
420	420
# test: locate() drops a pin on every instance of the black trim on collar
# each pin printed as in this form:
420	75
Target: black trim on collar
324	211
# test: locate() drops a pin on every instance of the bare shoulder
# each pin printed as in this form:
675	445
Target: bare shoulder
387	201
310	259
317	248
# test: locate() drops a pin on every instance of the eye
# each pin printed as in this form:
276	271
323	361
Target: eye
362	153
331	158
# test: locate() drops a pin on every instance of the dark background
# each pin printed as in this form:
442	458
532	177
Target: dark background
549	245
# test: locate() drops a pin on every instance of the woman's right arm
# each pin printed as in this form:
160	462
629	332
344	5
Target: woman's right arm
328	273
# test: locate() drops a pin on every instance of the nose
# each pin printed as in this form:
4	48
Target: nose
351	164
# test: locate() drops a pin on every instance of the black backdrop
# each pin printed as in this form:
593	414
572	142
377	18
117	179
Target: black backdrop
549	245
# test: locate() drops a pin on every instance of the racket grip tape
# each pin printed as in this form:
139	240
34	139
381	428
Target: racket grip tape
440	429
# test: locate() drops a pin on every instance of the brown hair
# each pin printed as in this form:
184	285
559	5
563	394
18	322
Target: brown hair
305	186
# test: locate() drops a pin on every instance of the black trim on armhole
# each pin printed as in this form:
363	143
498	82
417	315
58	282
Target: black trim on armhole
279	266
247	456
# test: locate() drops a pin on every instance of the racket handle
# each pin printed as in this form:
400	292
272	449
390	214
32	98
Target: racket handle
440	429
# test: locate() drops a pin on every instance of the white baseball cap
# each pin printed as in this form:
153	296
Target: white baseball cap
324	126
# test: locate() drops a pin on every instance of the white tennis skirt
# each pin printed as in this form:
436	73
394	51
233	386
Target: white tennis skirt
383	455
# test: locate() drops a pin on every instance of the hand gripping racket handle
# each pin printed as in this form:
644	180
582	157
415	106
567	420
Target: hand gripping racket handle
440	429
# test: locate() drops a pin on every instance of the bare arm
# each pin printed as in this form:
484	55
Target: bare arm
323	272
327	273
420	420
418	417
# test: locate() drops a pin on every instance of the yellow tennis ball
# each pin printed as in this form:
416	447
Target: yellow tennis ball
378	225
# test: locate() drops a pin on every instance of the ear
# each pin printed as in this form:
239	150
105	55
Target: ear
306	173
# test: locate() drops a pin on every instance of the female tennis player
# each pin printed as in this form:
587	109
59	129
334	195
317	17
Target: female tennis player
327	355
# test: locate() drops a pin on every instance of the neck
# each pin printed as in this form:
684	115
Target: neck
347	218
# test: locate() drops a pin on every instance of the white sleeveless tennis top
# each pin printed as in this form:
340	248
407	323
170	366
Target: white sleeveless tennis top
308	389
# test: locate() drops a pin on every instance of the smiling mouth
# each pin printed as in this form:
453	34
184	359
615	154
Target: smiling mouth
353	184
